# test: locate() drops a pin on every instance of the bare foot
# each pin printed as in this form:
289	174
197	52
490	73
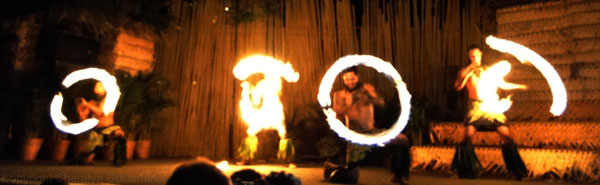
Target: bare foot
89	159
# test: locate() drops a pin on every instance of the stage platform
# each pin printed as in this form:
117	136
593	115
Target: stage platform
157	171
551	150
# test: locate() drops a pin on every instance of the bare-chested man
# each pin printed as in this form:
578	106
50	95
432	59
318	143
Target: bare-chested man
353	104
88	97
485	114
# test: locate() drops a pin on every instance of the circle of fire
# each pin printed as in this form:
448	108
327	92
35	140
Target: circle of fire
112	97
382	67
524	54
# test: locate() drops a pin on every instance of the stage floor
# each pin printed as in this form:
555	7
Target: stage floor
157	171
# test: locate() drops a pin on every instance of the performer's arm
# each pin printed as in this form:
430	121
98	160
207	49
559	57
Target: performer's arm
103	120
463	77
340	106
95	110
373	94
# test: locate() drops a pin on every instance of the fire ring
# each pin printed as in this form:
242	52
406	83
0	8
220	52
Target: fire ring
112	97
382	67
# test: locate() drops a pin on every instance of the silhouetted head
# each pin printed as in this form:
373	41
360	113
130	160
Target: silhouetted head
247	176
281	178
202	171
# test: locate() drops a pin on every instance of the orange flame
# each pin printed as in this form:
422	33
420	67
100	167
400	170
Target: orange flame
223	165
260	104
489	81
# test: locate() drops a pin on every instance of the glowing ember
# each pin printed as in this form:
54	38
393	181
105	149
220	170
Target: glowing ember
524	54
260	104
223	165
112	97
381	66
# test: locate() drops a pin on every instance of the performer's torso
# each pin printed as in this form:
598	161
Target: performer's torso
360	111
472	85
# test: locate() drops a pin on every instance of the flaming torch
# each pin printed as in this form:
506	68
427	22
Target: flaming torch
260	105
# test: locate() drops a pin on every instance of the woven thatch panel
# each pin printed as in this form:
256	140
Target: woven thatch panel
133	54
574	165
544	10
567	34
548	10
580	57
578	45
537	135
578	110
517	28
528	72
551	23
550	36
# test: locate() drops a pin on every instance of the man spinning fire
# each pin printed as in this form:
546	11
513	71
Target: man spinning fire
354	106
85	99
486	113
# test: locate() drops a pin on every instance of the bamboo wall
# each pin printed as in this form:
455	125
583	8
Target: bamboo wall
566	34
422	39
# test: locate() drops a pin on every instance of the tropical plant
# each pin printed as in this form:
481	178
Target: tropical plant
418	123
32	121
142	99
126	112
154	101
328	146
36	115
357	152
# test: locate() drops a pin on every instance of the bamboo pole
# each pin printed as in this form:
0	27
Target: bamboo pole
311	35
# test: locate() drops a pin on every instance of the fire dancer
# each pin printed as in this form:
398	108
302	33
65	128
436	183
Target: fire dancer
354	105
88	98
486	113
261	107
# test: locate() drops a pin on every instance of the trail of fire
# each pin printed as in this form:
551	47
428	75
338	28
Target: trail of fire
526	55
112	98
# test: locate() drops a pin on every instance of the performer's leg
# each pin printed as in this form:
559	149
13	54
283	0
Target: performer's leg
400	161
120	150
339	173
347	174
95	140
88	158
469	132
504	133
512	160
465	161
